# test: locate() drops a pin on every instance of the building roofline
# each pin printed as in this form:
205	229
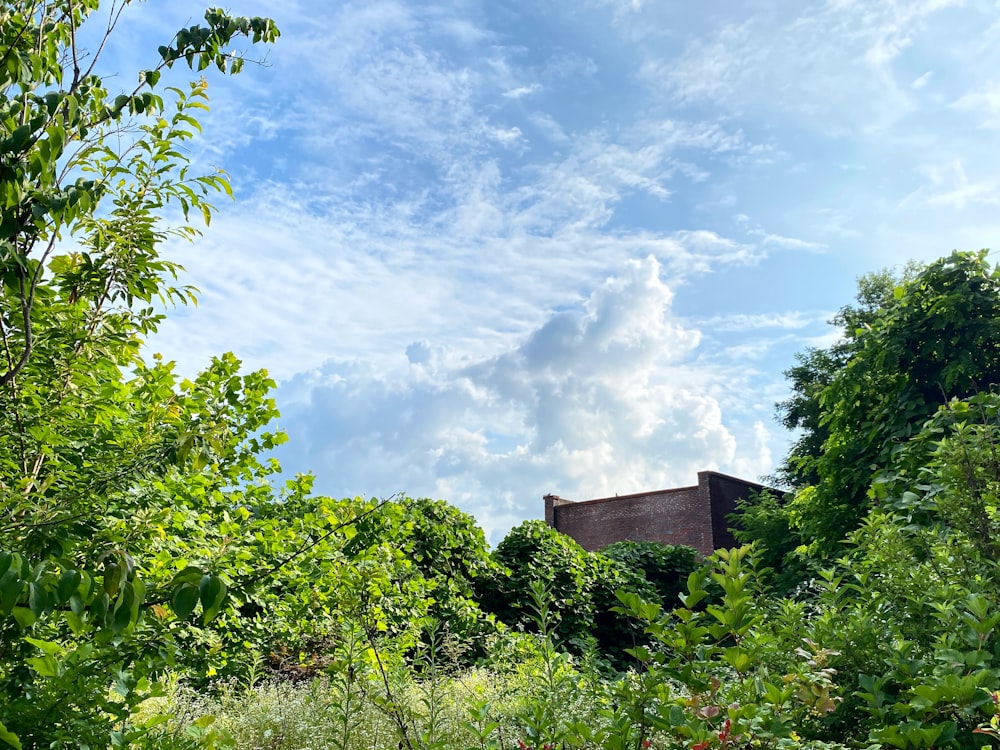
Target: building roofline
595	501
630	496
739	479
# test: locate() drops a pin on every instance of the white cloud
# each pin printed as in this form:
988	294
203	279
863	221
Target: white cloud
791	243
440	203
983	102
597	400
549	127
948	186
506	136
751	322
522	91
922	81
832	65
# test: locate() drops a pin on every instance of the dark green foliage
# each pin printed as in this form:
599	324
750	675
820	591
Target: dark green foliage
665	566
816	369
913	612
581	586
803	412
447	554
764	519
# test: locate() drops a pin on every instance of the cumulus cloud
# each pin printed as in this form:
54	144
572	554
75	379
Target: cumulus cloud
597	400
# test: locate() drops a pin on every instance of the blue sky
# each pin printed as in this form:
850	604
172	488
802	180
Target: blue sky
495	250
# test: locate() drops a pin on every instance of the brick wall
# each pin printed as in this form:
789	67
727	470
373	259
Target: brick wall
692	516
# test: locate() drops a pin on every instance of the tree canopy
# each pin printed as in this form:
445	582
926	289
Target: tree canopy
911	344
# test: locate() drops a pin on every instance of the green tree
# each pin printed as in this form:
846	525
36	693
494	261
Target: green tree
441	555
816	369
912	609
936	336
123	489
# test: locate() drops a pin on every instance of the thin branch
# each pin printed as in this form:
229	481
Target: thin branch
245	583
72	41
113	17
44	524
13	397
12	373
306	546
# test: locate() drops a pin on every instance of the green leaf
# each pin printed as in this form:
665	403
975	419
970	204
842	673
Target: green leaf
11	586
68	583
24	617
49	647
46	666
75	622
738	658
213	595
184	600
9	737
39	599
124	612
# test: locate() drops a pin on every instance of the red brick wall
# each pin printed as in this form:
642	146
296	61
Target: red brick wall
693	516
724	491
678	516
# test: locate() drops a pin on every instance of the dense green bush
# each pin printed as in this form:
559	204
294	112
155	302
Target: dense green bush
665	566
581	586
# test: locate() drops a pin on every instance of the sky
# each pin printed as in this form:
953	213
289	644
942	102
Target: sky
491	251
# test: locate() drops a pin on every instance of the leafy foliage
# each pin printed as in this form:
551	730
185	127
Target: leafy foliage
143	533
121	486
581	589
934	338
665	566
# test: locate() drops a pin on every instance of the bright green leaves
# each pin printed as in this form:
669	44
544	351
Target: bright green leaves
202	47
737	667
46	665
50	588
9	737
97	504
911	344
56	123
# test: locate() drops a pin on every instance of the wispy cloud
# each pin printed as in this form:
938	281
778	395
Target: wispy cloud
830	64
983	103
522	91
747	322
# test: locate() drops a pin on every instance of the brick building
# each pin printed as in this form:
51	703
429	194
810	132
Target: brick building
693	516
